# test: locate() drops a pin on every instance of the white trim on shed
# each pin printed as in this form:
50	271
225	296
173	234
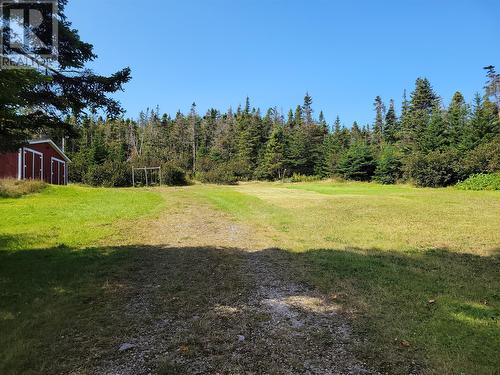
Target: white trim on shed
51	142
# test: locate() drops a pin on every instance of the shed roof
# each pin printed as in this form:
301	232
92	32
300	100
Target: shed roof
51	142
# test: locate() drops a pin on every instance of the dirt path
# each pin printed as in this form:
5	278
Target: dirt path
305	333
204	300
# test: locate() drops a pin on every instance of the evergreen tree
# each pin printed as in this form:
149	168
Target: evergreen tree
483	125
298	116
471	135
406	136
225	142
423	100
436	135
378	128
290	120
328	165
207	131
334	145
357	163
297	150
366	134
314	148
389	166
322	121
391	130
456	119
356	133
337	125
193	122
247	106
274	156
307	109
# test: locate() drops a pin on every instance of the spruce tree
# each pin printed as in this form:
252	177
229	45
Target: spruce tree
328	163
333	146
456	119
357	163
406	136
247	105
274	156
297	150
389	165
249	141
322	121
423	100
356	133
307	109
298	116
337	125
483	125
391	129
290	120
436	135
378	127
193	119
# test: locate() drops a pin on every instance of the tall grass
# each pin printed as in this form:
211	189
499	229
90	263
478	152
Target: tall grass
12	188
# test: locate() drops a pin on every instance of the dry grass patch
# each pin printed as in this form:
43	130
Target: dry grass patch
12	188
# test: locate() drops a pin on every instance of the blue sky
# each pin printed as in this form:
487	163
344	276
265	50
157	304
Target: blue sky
216	52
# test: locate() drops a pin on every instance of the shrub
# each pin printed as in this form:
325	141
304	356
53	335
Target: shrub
11	188
435	169
483	159
389	165
110	174
297	177
222	174
481	181
78	167
173	175
357	163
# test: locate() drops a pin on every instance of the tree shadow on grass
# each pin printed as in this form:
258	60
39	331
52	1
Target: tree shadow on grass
67	310
444	305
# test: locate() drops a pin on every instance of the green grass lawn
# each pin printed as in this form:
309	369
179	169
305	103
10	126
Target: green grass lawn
56	273
417	270
75	216
361	215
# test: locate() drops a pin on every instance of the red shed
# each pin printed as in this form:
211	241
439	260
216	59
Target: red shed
40	160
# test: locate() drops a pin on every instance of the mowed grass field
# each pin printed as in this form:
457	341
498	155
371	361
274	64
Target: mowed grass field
416	271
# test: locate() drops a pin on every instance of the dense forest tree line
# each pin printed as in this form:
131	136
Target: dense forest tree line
427	143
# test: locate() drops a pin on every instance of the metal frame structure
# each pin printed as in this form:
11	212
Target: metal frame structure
145	169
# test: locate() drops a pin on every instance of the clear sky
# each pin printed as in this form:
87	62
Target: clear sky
217	52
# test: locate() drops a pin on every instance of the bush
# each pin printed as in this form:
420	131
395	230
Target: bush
78	167
435	169
173	175
485	158
11	188
481	181
109	174
222	174
297	177
389	165
357	163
